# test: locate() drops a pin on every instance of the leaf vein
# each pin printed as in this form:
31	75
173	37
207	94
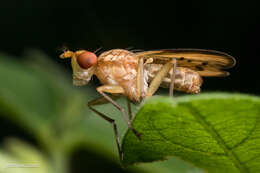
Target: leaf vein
174	143
210	129
246	138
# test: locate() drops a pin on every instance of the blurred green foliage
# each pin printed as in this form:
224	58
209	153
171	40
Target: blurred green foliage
38	97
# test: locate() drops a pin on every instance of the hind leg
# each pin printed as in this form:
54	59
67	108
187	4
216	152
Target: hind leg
157	80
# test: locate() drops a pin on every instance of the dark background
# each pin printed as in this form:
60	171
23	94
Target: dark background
229	26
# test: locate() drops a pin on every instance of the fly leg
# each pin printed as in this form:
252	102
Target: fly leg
117	89
140	78
129	109
157	80
173	78
100	101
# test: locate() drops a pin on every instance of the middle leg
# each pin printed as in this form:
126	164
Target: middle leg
129	109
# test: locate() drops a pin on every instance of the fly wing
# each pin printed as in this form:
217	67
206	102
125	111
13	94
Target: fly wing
205	62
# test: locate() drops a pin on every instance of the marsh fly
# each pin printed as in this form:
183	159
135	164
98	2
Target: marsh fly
138	75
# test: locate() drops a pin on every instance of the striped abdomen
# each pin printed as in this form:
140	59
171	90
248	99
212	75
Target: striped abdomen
186	80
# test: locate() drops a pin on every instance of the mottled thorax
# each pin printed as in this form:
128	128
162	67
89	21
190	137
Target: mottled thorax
119	67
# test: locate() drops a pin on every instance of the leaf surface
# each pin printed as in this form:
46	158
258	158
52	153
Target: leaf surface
217	132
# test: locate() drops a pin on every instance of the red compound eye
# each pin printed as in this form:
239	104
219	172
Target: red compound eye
86	59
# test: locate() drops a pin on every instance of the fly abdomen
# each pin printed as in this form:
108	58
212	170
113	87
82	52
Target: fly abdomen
186	80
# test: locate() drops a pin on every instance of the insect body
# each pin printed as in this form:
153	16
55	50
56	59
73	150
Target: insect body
139	75
186	80
120	67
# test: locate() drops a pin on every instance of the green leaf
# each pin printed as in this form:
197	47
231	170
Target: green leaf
217	132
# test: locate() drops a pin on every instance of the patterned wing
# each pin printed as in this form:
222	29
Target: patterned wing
205	62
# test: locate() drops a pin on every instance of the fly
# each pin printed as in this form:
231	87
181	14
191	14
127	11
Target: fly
138	75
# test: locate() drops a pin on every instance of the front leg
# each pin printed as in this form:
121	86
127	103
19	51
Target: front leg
100	101
117	89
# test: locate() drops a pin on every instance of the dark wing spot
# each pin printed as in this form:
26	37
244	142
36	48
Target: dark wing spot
199	68
189	60
181	58
204	63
